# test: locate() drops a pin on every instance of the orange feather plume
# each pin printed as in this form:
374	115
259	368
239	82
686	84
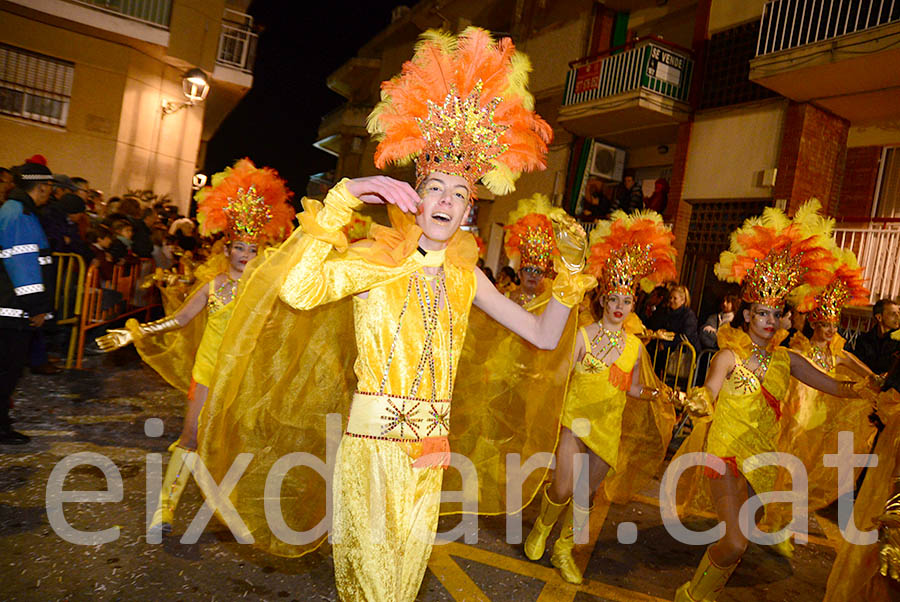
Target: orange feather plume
631	250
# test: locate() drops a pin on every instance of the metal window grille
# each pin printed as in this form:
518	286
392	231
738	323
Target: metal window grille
35	86
727	81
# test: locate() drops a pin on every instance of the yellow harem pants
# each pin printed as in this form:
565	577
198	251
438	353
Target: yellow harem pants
385	519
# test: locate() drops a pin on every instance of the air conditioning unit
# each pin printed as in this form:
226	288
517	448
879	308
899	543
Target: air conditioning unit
606	162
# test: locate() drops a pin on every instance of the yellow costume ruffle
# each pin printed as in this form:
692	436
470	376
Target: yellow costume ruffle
855	575
283	369
629	434
745	420
810	430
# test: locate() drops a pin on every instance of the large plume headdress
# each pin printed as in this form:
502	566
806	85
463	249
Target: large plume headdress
246	202
845	286
772	254
529	233
631	250
461	106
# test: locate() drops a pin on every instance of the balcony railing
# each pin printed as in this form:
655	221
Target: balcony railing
790	24
152	12
651	65
877	247
237	42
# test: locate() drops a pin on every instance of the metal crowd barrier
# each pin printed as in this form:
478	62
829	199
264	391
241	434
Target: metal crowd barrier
123	299
68	296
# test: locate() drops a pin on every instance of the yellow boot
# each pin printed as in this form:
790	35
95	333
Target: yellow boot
177	474
536	541
709	580
575	520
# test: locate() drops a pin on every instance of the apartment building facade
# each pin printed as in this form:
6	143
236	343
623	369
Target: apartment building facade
99	86
736	105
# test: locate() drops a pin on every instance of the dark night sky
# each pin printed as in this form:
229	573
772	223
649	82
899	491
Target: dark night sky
276	122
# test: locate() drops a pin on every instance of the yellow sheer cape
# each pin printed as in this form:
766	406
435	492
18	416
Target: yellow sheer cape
171	354
855	573
281	371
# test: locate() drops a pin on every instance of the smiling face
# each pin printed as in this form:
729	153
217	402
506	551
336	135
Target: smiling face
824	332
239	254
616	307
762	320
676	300
445	204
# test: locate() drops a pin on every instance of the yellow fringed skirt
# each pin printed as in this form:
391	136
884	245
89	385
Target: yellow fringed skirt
385	519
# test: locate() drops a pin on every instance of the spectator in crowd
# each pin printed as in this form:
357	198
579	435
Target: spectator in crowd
120	248
596	203
6	183
142	239
876	348
660	197
681	319
163	248
628	196
654	308
101	239
727	307
25	281
58	219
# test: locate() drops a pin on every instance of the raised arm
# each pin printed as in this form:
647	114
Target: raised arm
701	400
315	279
543	330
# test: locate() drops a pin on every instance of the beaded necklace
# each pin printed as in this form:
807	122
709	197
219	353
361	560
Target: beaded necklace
614	340
224	293
763	359
820	357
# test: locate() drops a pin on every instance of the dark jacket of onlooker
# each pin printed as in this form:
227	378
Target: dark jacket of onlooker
876	351
682	321
64	234
709	339
141	241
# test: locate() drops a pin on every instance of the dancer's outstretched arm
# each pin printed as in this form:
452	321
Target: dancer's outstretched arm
541	330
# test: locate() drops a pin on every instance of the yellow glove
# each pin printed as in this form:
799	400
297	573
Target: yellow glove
663	393
699	401
569	287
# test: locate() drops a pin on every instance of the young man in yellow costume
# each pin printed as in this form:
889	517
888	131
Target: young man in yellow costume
739	407
610	364
250	207
460	109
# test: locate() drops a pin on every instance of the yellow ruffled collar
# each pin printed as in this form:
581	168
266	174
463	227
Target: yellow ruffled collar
739	341
391	246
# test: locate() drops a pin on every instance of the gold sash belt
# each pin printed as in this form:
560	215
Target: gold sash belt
394	417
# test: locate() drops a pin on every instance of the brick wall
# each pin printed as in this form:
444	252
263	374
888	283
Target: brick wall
813	152
676	209
860	178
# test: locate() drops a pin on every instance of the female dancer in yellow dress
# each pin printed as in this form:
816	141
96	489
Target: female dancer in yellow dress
529	241
609	363
748	379
812	419
250	207
461	110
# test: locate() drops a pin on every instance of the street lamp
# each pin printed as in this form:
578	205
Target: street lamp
195	86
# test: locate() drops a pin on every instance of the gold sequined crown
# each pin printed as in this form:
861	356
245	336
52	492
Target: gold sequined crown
529	233
628	251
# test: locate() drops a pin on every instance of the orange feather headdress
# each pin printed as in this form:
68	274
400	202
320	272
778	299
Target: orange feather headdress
845	286
631	250
246	202
461	106
772	254
529	233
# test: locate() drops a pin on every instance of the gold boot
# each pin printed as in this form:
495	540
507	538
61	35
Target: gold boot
709	580
177	474
536	541
575	520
